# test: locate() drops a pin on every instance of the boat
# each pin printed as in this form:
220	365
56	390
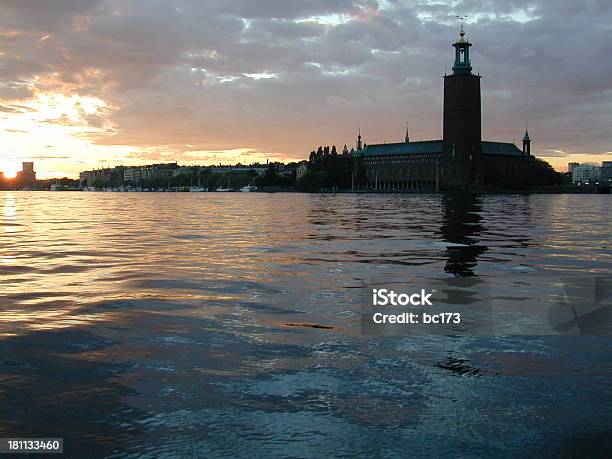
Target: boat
248	188
225	190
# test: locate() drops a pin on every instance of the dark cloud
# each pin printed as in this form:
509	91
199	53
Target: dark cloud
42	15
284	76
15	91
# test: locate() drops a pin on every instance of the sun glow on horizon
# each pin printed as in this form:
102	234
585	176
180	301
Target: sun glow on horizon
55	131
9	167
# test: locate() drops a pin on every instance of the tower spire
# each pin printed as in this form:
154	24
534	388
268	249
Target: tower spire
407	139
526	141
359	144
462	64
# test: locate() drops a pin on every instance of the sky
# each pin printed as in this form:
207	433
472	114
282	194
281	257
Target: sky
96	83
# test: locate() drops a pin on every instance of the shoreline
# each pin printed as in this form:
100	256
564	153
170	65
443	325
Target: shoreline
593	190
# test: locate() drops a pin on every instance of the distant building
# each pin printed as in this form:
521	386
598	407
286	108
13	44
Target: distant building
585	173
571	166
605	174
87	178
222	169
258	169
137	174
108	176
284	170
132	174
301	170
184	170
26	176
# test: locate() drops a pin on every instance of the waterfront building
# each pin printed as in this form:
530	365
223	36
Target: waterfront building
460	158
86	179
585	173
571	166
26	177
222	169
132	174
258	169
183	170
301	170
108	176
136	174
605	173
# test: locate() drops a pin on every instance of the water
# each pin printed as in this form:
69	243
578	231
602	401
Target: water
154	325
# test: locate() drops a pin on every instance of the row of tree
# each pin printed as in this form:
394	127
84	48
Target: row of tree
328	170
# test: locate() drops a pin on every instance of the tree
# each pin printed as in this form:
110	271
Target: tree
338	168
313	181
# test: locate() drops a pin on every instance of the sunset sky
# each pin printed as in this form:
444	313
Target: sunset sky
92	83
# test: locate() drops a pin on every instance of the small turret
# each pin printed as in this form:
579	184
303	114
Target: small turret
526	142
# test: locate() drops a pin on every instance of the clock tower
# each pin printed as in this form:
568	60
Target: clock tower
462	124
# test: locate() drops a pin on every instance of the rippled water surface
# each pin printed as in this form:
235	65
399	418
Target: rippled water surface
155	324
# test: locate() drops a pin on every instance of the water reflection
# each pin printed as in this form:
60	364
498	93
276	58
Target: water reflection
9	206
10	212
462	228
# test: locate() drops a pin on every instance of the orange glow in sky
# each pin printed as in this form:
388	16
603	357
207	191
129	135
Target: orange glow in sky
9	167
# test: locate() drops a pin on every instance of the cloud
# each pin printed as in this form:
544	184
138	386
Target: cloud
43	157
14	108
278	78
15	91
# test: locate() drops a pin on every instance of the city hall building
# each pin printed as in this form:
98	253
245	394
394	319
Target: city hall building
461	159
